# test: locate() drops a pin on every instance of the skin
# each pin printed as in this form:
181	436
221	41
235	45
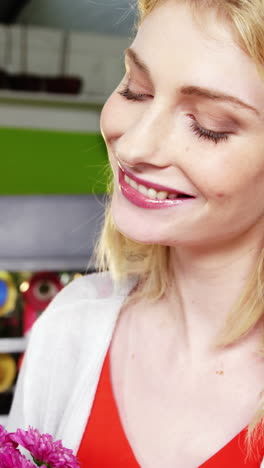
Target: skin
154	135
215	239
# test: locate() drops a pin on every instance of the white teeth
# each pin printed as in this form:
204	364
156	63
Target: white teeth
133	184
142	189
162	195
150	193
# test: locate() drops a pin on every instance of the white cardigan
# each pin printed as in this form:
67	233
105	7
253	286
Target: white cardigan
64	357
65	354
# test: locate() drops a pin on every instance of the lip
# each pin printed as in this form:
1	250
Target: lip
141	201
147	184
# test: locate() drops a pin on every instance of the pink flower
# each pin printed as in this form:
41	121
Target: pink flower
5	440
10	457
44	450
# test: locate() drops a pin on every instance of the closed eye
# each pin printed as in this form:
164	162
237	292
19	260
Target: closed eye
130	96
207	134
200	131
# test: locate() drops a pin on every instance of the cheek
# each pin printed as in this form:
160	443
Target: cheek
238	181
220	195
225	189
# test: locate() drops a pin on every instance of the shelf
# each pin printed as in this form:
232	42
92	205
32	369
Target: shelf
85	101
49	232
13	345
78	264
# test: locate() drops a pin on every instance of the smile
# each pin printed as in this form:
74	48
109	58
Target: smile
152	192
149	197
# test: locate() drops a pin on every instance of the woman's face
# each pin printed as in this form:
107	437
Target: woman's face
197	127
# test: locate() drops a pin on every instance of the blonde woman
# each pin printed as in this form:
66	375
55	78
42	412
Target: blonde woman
159	362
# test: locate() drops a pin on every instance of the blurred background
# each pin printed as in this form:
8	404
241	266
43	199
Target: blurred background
59	61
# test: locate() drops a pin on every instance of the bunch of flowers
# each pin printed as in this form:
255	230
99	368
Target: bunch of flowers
45	452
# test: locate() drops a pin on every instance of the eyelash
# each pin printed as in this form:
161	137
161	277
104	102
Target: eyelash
201	132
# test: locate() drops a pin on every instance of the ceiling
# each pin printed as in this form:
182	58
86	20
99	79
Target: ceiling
115	17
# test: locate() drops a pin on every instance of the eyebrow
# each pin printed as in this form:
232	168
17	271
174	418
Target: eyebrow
198	91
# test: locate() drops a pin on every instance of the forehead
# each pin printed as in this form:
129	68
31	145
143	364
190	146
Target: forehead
178	49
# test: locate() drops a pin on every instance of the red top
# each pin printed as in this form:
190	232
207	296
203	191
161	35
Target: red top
104	443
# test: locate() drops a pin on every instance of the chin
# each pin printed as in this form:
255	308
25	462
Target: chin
136	232
144	232
148	226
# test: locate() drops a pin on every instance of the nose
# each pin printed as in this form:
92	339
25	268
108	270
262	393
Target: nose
146	140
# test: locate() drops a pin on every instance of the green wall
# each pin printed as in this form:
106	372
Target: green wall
51	162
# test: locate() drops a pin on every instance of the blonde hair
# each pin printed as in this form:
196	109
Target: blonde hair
125	257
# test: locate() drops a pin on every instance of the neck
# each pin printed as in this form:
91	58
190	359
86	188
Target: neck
205	286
